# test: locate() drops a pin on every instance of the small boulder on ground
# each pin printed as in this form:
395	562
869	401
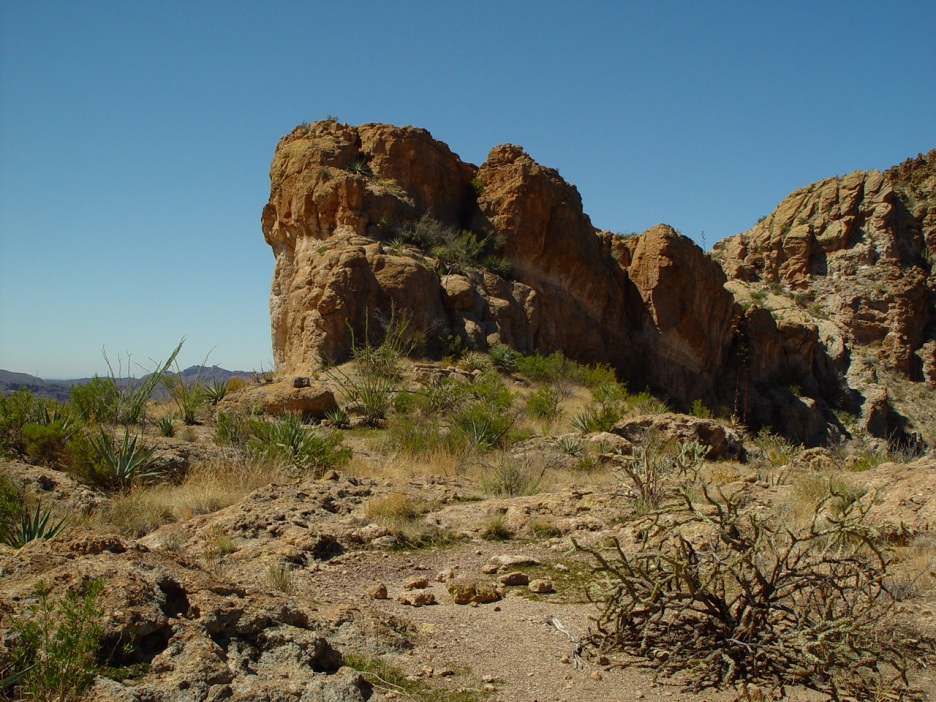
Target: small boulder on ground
724	443
471	590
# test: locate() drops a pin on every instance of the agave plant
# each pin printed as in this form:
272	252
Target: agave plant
33	526
126	462
214	392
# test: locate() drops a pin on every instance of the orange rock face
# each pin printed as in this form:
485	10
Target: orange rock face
654	306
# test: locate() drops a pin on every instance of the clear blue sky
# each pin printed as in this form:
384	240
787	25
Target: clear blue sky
136	137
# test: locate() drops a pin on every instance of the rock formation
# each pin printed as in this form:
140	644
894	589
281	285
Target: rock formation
346	200
848	262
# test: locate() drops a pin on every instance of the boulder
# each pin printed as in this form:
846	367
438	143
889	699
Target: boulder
723	442
311	401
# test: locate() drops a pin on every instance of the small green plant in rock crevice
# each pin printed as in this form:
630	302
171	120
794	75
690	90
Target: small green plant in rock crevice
56	646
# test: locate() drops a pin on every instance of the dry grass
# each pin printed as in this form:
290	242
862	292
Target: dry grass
207	488
402	515
401	464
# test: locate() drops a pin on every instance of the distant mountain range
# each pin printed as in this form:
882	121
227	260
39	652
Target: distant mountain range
60	389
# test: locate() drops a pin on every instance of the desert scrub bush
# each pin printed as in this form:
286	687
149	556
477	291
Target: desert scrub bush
418	436
457	251
543	403
505	475
18	409
724	597
303	448
776	450
546	369
644	403
97	400
56	646
483	425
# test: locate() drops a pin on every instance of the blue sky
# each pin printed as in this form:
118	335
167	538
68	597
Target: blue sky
136	138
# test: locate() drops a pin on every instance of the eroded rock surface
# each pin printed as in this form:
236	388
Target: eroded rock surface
846	260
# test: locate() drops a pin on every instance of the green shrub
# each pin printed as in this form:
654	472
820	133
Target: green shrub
645	403
304	448
405	402
483	425
11	504
97	400
601	374
699	410
57	645
546	369
46	443
17	409
444	398
543	403
421	436
596	418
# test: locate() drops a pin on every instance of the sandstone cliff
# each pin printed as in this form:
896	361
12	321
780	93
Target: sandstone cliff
345	202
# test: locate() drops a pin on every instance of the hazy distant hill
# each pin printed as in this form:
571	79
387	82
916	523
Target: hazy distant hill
59	389
10	381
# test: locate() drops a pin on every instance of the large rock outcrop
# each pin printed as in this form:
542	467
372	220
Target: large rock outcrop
655	306
848	262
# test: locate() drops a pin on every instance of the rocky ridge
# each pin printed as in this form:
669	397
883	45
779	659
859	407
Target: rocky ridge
658	309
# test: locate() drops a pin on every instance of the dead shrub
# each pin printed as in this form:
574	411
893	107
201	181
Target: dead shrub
725	597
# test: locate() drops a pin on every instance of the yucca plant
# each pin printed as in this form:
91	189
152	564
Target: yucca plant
216	391
133	397
125	463
32	526
338	417
302	447
166	426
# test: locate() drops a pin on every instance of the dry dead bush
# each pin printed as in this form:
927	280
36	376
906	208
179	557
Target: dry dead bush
725	597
